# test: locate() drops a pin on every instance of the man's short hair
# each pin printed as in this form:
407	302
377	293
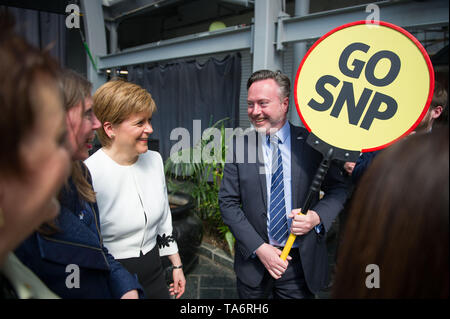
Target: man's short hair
439	96
281	79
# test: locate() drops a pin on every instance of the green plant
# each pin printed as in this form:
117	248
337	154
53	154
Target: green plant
204	174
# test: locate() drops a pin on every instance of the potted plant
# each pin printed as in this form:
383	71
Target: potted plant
202	179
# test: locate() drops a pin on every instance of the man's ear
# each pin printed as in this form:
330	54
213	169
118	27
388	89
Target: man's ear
285	104
436	111
109	130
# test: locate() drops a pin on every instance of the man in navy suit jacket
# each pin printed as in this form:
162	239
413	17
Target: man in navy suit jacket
244	199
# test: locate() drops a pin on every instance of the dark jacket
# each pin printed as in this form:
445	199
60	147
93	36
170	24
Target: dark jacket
362	164
78	243
243	203
6	289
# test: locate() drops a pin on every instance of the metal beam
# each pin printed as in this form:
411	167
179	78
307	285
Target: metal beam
265	55
125	9
406	14
301	9
95	37
113	37
228	39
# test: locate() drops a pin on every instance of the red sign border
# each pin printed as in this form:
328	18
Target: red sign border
386	24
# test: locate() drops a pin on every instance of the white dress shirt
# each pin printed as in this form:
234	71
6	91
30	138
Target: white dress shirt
284	134
133	204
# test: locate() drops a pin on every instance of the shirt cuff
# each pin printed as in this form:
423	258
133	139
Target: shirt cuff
319	229
167	245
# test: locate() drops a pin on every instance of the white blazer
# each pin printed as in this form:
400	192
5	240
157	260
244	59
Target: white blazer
133	205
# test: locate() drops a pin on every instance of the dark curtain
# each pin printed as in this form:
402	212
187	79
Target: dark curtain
187	90
44	30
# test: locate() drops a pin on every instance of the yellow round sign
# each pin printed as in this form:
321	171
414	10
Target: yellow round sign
363	86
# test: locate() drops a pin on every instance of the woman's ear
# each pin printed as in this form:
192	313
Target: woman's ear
109	130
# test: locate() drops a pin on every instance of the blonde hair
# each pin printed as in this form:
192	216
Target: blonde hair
116	100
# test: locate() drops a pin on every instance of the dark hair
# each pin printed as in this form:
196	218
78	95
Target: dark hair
399	221
21	68
282	80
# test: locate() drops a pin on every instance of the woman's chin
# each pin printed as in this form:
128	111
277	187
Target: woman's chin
81	154
142	149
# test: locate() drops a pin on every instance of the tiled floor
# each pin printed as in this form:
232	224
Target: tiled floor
210	280
213	276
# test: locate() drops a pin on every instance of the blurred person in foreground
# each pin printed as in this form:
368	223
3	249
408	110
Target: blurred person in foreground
398	223
74	238
129	180
34	158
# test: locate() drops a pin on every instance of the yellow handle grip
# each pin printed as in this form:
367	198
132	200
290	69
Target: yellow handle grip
288	246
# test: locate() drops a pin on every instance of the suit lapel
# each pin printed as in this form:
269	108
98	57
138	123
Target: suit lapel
298	140
260	172
261	180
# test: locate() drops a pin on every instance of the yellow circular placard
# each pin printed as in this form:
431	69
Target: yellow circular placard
362	86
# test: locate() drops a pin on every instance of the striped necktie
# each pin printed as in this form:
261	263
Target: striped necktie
278	228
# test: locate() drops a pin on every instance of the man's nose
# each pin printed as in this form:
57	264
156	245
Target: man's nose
256	109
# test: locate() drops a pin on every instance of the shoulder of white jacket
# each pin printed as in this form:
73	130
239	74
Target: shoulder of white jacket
151	155
93	159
